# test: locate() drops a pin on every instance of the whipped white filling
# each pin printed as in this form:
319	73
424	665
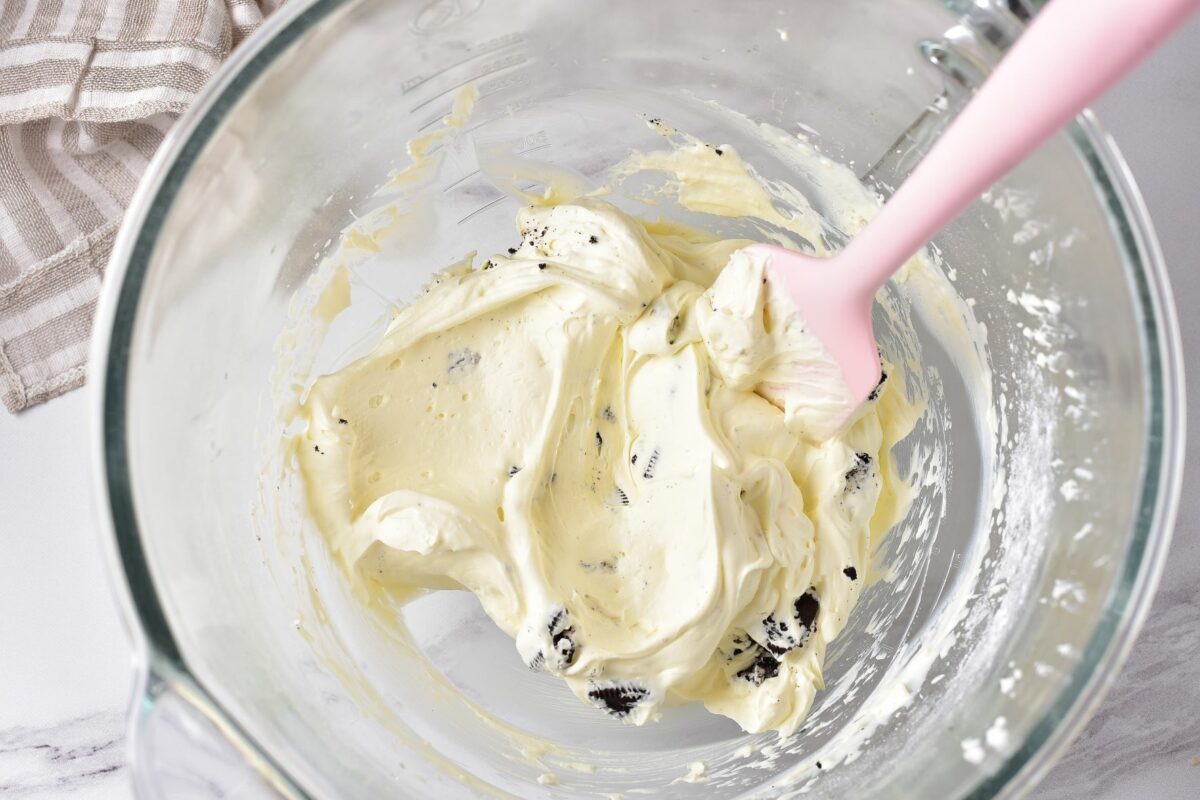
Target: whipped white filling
756	340
577	432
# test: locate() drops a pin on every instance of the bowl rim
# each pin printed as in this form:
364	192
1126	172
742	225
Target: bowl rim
157	654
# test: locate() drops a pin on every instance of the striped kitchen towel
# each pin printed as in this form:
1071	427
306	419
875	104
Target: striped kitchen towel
87	90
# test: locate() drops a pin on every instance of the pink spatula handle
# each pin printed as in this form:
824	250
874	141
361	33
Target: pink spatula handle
1072	52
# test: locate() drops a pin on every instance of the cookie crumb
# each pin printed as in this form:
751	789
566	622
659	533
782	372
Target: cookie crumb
648	473
618	698
878	390
764	667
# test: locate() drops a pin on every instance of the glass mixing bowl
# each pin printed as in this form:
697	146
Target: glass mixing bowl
1019	580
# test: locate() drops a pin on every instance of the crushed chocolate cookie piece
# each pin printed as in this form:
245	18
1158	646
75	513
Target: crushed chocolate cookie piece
851	573
878	390
343	421
764	667
858	471
513	470
562	638
593	240
618	698
608	414
561	653
599	440
648	473
462	361
782	635
807	606
512	251
719	151
542	265
318	449
740	643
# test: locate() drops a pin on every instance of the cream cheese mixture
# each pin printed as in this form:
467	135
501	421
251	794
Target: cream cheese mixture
577	432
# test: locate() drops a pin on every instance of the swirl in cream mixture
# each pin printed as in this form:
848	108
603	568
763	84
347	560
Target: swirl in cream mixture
576	432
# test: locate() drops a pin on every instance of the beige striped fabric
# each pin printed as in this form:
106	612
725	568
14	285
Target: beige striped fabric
87	90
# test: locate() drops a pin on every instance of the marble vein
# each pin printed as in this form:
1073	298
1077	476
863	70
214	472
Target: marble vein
55	759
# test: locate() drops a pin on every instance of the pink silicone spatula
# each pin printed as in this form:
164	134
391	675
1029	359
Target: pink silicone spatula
1073	51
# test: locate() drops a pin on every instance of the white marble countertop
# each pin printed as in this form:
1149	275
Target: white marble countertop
65	679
